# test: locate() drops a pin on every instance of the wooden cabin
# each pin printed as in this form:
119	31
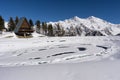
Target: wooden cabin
23	28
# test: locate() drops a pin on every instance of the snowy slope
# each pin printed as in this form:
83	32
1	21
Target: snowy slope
100	58
91	23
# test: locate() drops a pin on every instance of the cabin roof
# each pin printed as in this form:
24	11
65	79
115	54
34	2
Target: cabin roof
19	24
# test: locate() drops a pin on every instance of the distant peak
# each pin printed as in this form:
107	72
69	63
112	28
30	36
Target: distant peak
92	17
76	18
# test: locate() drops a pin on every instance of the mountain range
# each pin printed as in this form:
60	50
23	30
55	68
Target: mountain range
90	26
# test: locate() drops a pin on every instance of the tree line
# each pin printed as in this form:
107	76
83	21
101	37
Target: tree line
40	27
12	25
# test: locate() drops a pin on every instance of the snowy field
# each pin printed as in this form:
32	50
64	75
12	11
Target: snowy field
59	58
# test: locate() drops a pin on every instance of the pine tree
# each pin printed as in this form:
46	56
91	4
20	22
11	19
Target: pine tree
31	22
44	26
16	20
11	24
72	31
50	30
59	30
38	26
62	32
1	23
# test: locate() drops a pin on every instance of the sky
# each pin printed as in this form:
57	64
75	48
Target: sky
55	10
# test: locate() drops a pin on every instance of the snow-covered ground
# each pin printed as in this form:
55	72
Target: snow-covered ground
105	70
59	58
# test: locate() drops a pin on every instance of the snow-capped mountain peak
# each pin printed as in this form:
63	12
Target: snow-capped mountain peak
93	17
97	20
76	18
